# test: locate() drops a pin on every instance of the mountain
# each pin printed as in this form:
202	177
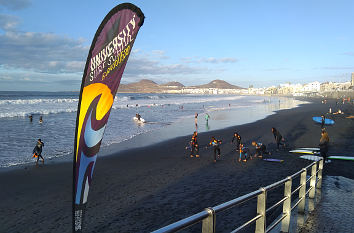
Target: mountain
173	84
221	84
148	86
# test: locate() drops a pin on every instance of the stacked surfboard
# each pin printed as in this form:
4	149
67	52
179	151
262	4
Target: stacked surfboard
313	154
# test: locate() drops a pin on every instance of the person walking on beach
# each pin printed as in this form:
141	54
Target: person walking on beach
37	151
215	143
323	119
196	120
194	145
261	149
237	139
324	143
207	117
278	138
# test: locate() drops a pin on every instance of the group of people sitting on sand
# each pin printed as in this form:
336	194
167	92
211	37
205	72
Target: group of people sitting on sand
244	152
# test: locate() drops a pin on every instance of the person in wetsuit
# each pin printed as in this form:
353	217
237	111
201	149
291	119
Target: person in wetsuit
215	143
194	145
237	139
323	119
324	143
278	138
37	150
261	149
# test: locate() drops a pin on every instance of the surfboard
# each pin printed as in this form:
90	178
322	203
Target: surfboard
142	120
319	120
300	151
342	158
309	148
311	157
274	160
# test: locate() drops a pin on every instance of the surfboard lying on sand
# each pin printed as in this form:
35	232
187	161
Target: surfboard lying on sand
311	157
342	158
319	120
141	119
274	160
311	149
301	151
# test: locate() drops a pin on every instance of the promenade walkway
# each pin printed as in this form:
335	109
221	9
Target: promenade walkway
335	212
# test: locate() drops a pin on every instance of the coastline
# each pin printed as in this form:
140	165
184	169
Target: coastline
143	189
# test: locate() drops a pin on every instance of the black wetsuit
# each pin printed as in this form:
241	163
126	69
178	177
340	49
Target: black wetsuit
261	149
278	138
238	140
324	149
194	146
215	143
38	150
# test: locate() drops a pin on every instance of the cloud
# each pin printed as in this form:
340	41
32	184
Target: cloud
337	68
349	53
15	4
144	66
8	22
212	60
41	52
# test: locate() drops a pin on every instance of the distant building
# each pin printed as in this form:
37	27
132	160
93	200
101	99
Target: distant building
352	83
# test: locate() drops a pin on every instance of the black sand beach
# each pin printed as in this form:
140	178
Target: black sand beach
141	190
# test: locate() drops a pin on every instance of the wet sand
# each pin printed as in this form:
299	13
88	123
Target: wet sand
143	189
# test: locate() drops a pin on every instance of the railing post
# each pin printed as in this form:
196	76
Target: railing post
313	181
302	191
319	179
261	210
208	225
287	206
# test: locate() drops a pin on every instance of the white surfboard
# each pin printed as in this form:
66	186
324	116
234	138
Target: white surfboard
342	158
309	148
142	120
311	157
300	151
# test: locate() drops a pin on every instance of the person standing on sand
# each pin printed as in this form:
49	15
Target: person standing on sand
194	145
37	150
324	143
215	143
237	139
277	136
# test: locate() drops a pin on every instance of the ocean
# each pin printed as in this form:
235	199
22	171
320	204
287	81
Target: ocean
172	113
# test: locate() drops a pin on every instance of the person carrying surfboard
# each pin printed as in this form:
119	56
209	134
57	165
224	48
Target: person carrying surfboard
194	145
215	143
324	143
37	151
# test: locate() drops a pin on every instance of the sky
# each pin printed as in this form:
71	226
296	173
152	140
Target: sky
44	44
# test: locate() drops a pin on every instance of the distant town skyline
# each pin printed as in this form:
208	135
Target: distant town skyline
44	44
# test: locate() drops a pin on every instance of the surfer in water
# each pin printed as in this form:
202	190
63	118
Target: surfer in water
324	143
207	117
40	119
138	116
194	145
37	151
323	119
237	139
278	138
261	149
196	120
216	144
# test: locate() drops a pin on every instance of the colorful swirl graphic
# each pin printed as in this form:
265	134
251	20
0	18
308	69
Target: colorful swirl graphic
96	104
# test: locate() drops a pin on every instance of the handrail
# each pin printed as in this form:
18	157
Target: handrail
208	215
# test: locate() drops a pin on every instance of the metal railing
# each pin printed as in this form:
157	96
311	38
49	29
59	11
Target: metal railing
208	216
